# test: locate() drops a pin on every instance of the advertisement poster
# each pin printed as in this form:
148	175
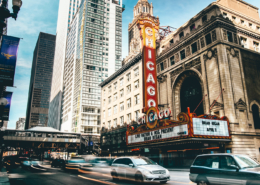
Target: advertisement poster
5	104
8	58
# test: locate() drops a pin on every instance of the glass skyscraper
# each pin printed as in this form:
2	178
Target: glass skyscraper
93	53
40	82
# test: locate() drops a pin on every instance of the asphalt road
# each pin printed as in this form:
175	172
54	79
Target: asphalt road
57	176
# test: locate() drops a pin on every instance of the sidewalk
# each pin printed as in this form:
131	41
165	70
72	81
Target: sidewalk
4	180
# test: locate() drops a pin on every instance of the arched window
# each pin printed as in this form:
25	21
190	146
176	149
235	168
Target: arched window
144	9
255	111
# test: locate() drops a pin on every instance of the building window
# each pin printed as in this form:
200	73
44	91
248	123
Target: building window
181	35
109	124
256	118
250	25
122	106
172	60
115	109
208	39
115	86
109	112
183	54
258	28
256	46
109	99
136	115
121	120
143	9
129	118
230	36
128	77
104	103
121	82
109	89
136	71
161	66
224	14
234	18
128	88
136	84
204	18
115	123
104	93
115	96
104	114
194	47
242	22
171	41
192	27
137	99
128	103
243	42
121	93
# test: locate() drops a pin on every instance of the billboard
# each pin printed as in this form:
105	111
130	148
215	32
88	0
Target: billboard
8	58
5	104
149	27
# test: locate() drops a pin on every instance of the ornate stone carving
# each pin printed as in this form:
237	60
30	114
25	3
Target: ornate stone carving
233	52
202	42
177	57
241	105
214	35
225	35
198	67
162	78
192	63
217	105
210	54
177	71
188	51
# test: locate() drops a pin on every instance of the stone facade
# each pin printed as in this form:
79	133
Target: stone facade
219	47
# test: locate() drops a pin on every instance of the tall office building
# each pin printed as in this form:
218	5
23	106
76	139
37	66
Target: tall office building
67	11
40	83
93	53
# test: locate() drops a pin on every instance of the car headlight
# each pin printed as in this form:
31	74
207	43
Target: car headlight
146	172
167	172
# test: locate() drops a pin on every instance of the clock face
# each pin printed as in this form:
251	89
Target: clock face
209	54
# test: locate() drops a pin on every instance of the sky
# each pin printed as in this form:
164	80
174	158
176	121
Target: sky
41	16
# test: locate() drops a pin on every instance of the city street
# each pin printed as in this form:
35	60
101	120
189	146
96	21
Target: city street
58	176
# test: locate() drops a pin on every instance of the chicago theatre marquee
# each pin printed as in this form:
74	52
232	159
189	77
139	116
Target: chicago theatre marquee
200	87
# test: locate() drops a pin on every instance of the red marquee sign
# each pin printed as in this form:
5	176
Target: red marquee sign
149	27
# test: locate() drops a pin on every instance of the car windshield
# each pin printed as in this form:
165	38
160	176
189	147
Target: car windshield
246	162
143	161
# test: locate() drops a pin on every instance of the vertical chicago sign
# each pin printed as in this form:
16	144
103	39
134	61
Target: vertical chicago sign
149	27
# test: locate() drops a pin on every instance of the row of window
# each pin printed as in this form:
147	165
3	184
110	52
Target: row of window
121	119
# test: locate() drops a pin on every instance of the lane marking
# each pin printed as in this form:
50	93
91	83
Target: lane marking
104	182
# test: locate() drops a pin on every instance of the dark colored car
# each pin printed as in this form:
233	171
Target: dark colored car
225	169
58	163
10	161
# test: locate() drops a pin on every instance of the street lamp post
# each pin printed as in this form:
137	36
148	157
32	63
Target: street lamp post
5	13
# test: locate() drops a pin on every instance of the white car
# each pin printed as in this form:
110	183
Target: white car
140	169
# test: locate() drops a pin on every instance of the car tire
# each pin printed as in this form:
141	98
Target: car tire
163	182
139	177
202	181
114	176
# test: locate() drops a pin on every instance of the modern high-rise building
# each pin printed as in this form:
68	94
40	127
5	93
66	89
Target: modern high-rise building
40	83
67	10
94	50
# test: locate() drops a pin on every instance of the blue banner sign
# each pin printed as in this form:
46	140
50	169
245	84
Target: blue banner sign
8	57
5	104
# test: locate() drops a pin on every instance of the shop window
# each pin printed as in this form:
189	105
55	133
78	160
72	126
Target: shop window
255	111
183	54
204	18
181	35
230	37
172	60
208	39
194	47
192	27
161	66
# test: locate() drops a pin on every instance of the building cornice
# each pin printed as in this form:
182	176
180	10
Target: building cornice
124	68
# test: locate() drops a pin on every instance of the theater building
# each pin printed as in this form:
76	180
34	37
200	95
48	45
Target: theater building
211	65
